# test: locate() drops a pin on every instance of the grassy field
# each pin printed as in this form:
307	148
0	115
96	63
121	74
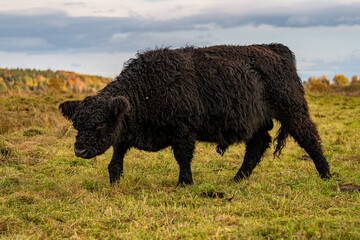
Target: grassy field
48	193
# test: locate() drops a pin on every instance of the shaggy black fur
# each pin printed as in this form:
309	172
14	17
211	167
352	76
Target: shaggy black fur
220	94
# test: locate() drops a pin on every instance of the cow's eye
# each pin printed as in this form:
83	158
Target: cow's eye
99	127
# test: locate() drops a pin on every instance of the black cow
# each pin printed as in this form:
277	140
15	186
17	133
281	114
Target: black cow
219	94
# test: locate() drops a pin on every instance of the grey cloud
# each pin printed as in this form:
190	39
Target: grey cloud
23	43
347	65
137	40
74	4
57	31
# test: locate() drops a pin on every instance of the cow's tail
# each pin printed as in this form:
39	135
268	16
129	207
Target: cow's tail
280	140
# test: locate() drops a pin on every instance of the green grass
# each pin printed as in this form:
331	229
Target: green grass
48	193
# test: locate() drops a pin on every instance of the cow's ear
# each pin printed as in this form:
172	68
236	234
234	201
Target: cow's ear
119	106
68	108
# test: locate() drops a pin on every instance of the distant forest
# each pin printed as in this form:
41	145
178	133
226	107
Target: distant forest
339	85
60	81
20	80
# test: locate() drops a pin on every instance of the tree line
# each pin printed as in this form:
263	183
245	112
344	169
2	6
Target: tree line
66	81
60	81
339	84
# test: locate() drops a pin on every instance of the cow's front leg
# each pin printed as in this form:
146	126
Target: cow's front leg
183	152
117	163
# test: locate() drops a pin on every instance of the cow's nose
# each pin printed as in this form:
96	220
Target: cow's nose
80	152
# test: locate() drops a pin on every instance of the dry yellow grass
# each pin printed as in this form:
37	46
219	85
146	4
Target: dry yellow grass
48	193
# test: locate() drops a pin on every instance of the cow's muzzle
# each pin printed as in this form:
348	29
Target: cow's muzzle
81	153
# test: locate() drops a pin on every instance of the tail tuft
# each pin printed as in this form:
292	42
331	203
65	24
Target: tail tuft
221	149
281	140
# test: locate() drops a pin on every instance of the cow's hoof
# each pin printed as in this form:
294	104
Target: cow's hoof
183	182
240	177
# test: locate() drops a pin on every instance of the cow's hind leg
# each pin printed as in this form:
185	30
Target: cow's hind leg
255	149
305	133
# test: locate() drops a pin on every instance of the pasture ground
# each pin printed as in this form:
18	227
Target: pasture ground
48	193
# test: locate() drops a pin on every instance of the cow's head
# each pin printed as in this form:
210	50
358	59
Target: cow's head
98	120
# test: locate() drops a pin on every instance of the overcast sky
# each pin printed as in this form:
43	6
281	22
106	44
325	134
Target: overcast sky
98	36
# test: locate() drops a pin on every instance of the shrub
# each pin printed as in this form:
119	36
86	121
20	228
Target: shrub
340	80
